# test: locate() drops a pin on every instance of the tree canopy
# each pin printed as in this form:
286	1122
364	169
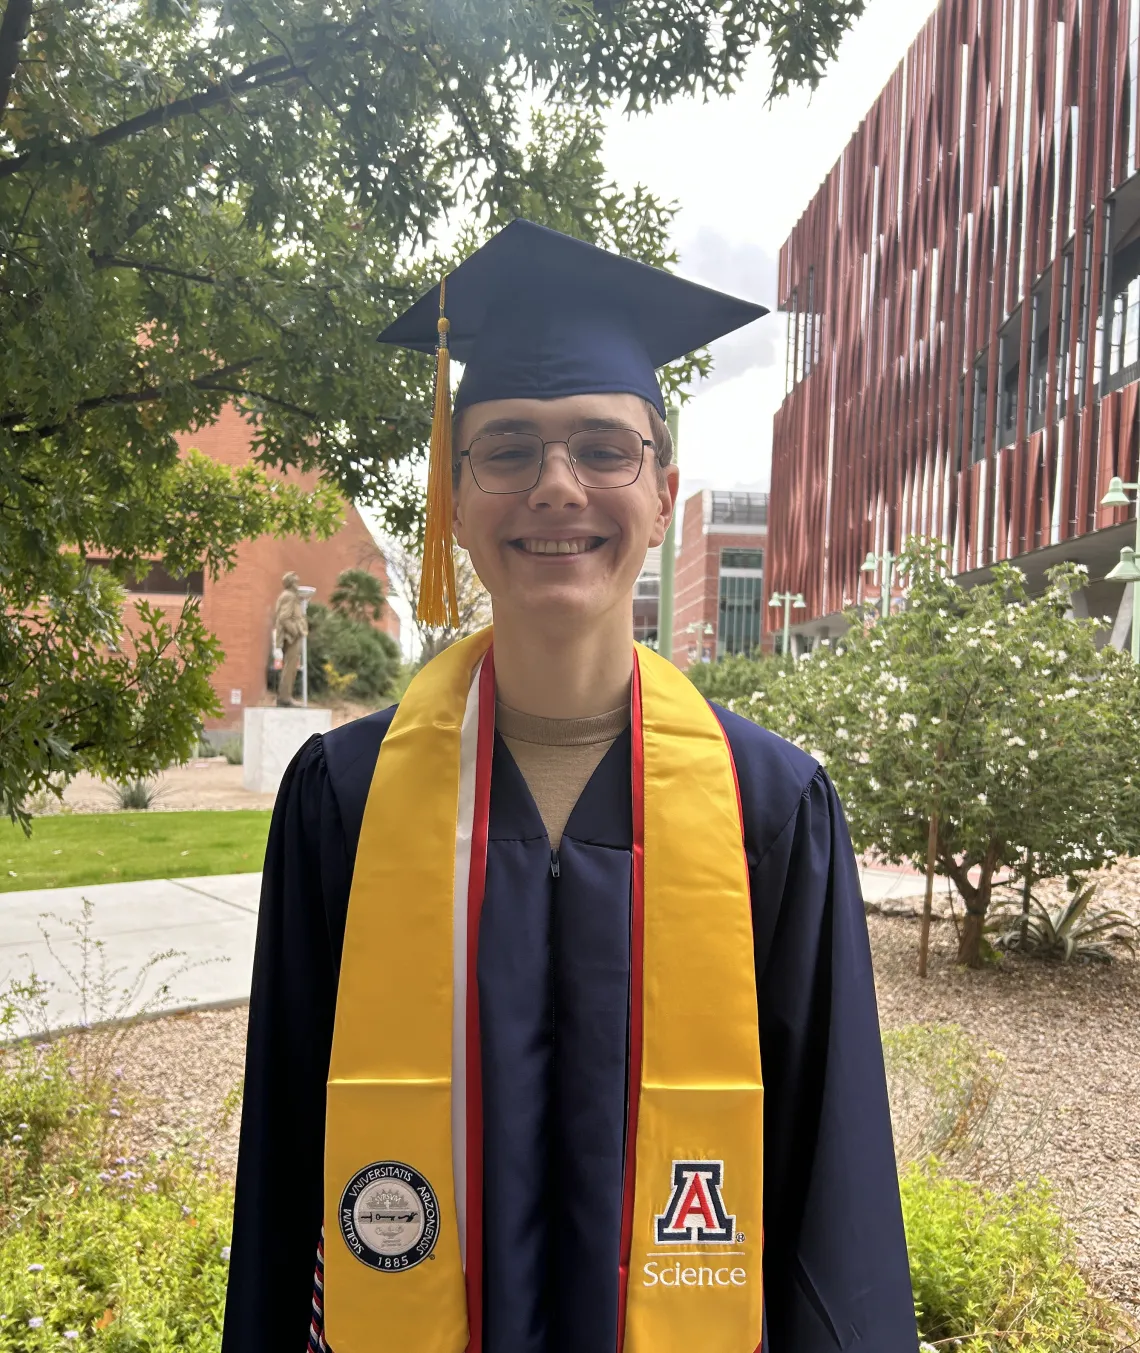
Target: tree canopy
994	708
213	201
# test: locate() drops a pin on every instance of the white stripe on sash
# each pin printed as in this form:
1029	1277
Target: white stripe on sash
468	757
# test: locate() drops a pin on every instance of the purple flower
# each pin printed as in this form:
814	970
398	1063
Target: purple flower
226	1253
35	1322
71	1334
105	1177
35	1268
114	1113
120	1160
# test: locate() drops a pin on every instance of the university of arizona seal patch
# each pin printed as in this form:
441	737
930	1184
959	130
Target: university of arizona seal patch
389	1216
695	1213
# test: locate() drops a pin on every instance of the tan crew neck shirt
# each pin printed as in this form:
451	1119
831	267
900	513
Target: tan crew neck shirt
557	757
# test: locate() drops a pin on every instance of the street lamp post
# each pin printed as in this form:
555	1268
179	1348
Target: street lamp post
703	628
886	577
1128	570
787	600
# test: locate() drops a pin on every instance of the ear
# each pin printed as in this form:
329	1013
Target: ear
667	488
458	528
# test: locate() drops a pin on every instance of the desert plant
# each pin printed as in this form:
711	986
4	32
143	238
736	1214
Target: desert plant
232	750
136	795
943	1088
1073	930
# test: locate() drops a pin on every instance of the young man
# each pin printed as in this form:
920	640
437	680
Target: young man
562	973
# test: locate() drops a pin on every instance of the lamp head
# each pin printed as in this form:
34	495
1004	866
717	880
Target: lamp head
798	600
776	600
870	564
1115	497
1128	570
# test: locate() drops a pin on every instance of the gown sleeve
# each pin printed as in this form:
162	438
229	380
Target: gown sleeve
835	1262
278	1205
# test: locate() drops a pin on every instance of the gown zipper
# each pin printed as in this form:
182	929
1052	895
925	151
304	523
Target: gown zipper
555	867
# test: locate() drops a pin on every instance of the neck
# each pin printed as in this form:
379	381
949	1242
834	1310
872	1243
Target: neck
560	672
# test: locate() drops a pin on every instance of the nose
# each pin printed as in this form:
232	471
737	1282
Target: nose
557	486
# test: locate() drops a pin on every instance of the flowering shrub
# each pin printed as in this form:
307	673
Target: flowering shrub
99	1249
989	706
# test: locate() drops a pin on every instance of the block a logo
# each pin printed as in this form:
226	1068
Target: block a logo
695	1213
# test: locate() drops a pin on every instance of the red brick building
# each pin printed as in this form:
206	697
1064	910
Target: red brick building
238	607
718	588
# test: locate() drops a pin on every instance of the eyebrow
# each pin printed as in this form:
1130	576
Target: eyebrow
529	425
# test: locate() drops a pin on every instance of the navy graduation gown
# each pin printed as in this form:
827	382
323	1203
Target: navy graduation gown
553	968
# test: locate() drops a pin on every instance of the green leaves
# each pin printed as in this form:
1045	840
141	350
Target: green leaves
1039	730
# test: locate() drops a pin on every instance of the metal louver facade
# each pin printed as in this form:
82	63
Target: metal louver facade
963	296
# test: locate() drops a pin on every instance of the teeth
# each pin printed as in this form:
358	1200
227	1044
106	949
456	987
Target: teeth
558	546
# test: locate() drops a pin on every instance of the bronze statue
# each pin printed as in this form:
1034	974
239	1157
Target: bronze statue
292	627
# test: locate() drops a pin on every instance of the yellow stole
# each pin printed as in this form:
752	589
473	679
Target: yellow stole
403	1146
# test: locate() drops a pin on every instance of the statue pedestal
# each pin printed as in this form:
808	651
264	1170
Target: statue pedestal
271	738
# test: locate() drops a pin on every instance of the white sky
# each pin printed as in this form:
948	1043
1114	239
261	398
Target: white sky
742	174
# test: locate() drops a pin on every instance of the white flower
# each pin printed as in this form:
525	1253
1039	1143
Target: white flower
1070	693
1061	655
71	1334
935	720
1015	742
982	799
1016	661
226	1253
874	783
842	733
908	720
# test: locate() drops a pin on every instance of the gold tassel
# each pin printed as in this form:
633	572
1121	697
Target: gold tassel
437	578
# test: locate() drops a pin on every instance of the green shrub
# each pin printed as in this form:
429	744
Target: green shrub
996	1270
99	1249
734	678
232	751
355	646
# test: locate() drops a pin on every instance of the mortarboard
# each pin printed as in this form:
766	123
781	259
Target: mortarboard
535	314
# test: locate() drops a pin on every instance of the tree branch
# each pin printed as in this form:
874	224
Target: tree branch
125	397
273	70
140	265
269	399
13	30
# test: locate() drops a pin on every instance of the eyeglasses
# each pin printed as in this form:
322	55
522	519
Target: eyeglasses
511	462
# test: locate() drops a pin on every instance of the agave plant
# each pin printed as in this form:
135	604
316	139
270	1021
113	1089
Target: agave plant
1075	929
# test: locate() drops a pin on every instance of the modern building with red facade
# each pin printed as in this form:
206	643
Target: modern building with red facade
719	581
963	296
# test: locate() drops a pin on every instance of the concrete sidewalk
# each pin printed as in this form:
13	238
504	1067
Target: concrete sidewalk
210	923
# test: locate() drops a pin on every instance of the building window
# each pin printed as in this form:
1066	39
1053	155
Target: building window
729	508
741	592
978	421
1124	315
158	580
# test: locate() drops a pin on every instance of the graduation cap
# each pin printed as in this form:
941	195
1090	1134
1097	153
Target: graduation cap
535	314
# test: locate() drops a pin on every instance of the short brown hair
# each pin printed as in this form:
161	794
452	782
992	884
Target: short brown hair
659	434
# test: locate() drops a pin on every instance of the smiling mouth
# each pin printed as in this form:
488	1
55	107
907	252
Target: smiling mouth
579	545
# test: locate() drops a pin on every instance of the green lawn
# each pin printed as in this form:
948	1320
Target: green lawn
81	848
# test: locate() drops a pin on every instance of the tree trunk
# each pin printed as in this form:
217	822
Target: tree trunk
970	940
1026	897
928	900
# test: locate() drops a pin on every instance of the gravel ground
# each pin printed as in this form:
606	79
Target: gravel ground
1069	1108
